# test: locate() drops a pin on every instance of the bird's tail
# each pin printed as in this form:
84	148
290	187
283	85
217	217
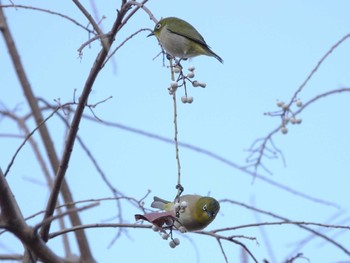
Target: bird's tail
159	203
217	57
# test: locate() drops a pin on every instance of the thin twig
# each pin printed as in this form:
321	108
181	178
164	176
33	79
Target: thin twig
126	6
330	240
222	250
284	222
314	70
228	238
70	210
122	44
104	41
26	139
217	157
178	186
320	96
142	5
214	156
51	13
286	109
98	225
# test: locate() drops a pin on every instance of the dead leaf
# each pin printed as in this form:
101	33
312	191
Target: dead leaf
158	218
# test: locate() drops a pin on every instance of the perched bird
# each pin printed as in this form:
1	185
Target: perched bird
180	39
195	211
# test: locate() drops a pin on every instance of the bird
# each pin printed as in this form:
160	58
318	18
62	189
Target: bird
180	39
195	212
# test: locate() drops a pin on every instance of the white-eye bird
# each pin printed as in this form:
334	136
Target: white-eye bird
195	211
180	39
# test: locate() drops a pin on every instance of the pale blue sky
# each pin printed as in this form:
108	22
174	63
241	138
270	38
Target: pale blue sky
269	48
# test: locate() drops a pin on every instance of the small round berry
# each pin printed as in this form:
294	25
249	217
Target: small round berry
280	104
169	222
177	69
285	107
184	99
182	229
293	120
299	103
202	84
190	75
172	244
174	85
189	99
165	236
183	204
195	83
177	241
284	130
191	68
298	121
155	228
176	206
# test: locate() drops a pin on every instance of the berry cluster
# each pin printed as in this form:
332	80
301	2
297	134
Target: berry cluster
170	224
181	81
288	116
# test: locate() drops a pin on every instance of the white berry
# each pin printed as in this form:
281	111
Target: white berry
165	236
184	99
285	107
177	69
284	130
172	244
183	204
195	83
191	68
169	222
155	228
174	85
280	104
202	84
182	229
176	241
190	75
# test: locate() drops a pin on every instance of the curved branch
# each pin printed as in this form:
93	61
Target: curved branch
51	13
330	240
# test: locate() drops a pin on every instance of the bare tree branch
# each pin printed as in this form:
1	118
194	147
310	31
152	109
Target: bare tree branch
12	217
50	150
330	240
51	13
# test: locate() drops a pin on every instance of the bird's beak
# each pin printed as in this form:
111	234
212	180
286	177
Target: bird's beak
210	214
152	34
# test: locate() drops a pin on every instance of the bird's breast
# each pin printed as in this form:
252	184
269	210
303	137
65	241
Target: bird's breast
176	45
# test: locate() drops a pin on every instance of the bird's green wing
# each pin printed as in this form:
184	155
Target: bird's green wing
188	31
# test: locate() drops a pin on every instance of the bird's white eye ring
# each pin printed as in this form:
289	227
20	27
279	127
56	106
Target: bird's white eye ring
205	207
158	26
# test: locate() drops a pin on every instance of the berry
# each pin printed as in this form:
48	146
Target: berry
172	244
177	241
183	204
284	130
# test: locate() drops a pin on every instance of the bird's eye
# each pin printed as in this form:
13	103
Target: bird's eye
205	208
158	26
